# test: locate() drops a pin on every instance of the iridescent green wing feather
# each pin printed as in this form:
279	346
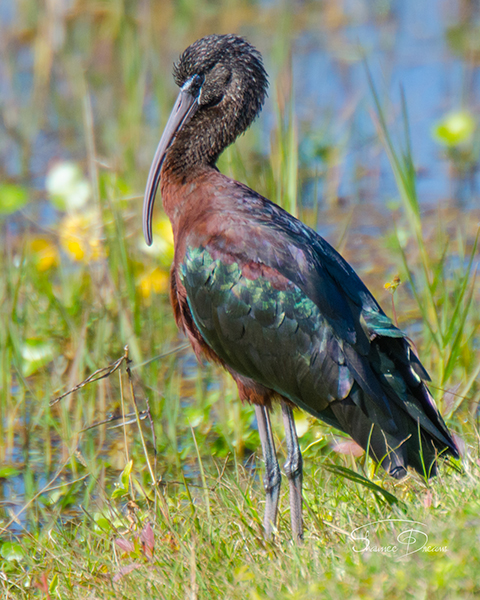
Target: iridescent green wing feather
277	337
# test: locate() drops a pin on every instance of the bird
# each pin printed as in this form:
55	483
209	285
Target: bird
260	293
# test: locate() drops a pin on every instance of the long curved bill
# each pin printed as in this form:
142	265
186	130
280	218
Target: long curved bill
185	107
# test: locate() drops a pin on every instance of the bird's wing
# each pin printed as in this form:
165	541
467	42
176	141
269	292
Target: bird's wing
279	305
265	327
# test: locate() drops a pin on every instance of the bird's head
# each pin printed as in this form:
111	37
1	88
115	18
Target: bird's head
223	85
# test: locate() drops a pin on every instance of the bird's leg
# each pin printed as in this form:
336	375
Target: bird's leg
273	476
294	472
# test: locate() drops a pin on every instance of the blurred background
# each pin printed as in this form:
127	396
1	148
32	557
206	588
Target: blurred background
369	134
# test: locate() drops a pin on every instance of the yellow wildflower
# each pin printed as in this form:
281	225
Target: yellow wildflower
153	282
44	252
80	236
393	285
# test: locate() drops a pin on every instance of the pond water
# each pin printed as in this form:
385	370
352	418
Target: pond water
420	47
408	50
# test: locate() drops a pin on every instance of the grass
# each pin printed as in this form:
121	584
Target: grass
194	555
79	516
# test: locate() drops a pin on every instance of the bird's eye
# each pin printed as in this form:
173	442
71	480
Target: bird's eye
193	85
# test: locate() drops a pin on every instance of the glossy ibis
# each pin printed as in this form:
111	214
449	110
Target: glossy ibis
265	296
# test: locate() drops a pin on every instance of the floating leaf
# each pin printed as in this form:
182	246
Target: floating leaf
11	551
12	198
8	472
454	129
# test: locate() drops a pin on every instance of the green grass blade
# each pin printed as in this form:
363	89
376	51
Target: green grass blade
361	480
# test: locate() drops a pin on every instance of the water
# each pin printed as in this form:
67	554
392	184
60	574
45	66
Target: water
408	51
405	44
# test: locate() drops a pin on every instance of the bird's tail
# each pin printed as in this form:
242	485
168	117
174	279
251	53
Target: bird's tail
412	434
410	446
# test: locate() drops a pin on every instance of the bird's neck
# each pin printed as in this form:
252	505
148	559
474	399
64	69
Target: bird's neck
189	193
201	141
206	199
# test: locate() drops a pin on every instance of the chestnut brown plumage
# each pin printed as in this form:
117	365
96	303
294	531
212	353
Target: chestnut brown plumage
265	296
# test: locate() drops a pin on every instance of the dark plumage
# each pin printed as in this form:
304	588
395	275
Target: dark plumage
264	295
